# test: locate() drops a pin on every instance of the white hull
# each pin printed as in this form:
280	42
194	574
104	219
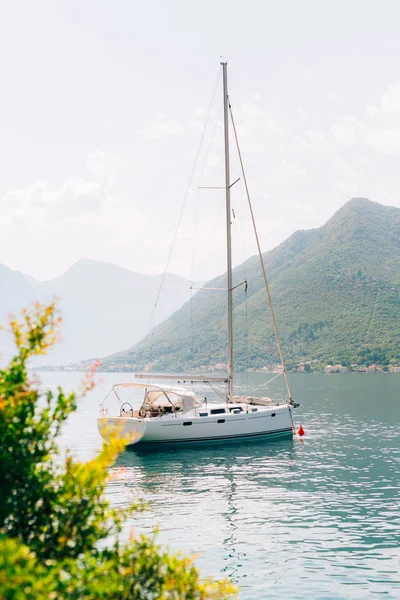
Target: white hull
180	429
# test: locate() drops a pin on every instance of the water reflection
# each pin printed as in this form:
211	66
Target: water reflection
205	490
198	469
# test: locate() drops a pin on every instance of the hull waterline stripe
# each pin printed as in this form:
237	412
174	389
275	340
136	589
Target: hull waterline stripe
219	437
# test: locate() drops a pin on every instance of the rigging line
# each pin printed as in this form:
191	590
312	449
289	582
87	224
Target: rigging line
261	259
191	273
208	152
261	385
241	219
195	227
246	333
191	325
223	395
211	141
182	209
197	197
217	122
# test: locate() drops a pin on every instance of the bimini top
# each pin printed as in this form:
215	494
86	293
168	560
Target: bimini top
184	377
161	396
135	385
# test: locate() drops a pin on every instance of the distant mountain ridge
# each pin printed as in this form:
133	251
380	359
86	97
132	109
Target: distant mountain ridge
103	306
336	294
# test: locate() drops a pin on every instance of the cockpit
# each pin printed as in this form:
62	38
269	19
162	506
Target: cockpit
158	401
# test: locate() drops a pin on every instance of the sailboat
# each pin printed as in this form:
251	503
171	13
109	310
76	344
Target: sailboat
174	414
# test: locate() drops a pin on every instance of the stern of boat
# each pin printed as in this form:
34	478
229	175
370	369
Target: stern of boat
130	430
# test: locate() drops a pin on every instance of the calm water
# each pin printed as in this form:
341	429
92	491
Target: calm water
312	518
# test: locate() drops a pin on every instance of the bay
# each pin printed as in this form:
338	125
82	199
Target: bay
316	517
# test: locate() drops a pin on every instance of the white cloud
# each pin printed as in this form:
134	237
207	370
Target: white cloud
73	196
46	226
348	188
336	98
315	136
344	133
385	141
389	105
304	114
379	127
160	127
103	165
124	208
195	125
213	160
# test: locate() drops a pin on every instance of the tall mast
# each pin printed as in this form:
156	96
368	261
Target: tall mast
228	229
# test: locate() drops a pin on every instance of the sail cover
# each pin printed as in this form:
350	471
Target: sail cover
184	377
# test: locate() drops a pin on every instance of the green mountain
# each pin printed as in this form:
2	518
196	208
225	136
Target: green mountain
336	295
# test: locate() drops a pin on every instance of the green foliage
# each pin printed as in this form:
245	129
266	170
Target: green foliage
336	293
140	571
54	513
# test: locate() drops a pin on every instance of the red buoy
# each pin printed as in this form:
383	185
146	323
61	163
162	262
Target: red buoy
300	430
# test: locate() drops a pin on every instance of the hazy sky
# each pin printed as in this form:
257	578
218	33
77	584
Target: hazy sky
103	104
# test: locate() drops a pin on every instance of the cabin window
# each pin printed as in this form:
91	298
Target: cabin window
273	414
187	423
236	409
221	421
217	411
203	414
254	409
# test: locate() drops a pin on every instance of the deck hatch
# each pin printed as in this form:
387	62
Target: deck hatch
217	411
